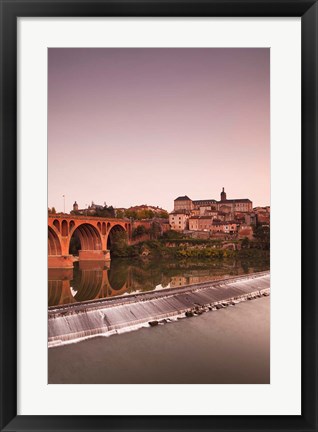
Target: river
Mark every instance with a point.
(92, 280)
(228, 346)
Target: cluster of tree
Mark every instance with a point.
(204, 253)
(141, 214)
(262, 235)
(119, 246)
(139, 231)
(51, 210)
(107, 212)
(159, 249)
(173, 235)
(154, 231)
(245, 244)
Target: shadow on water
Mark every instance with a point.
(94, 280)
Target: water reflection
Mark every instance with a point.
(92, 280)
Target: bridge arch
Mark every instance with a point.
(114, 230)
(117, 279)
(64, 228)
(89, 238)
(88, 285)
(54, 292)
(85, 236)
(54, 245)
(56, 223)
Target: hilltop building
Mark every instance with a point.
(93, 209)
(225, 205)
(179, 220)
(183, 203)
(211, 215)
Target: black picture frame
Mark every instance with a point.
(10, 11)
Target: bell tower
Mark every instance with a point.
(75, 206)
(223, 195)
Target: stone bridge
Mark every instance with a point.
(94, 235)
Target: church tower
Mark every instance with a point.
(223, 195)
(75, 206)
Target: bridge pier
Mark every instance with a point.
(67, 261)
(94, 255)
(60, 261)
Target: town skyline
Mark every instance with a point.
(144, 126)
(69, 203)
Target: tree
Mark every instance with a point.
(131, 214)
(245, 243)
(262, 234)
(119, 244)
(163, 214)
(139, 231)
(105, 212)
(155, 230)
(120, 214)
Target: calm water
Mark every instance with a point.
(226, 346)
(92, 280)
(230, 345)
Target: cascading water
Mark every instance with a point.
(75, 322)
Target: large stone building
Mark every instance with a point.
(200, 223)
(243, 205)
(198, 215)
(183, 203)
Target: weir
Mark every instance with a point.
(72, 323)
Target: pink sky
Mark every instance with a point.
(143, 126)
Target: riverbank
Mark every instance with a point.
(228, 346)
(190, 248)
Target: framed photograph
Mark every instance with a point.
(158, 215)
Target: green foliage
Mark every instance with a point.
(141, 214)
(106, 211)
(131, 214)
(119, 245)
(183, 250)
(155, 230)
(172, 235)
(139, 231)
(262, 236)
(245, 243)
(204, 253)
(163, 214)
(120, 214)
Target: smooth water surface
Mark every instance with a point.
(228, 346)
(94, 280)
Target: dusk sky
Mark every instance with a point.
(137, 126)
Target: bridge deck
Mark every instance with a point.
(108, 316)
